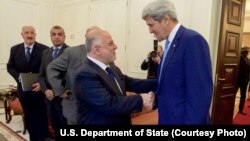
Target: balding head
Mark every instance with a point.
(24, 28)
(101, 46)
(92, 28)
(94, 37)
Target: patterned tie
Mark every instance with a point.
(164, 57)
(55, 52)
(27, 53)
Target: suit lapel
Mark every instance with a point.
(62, 49)
(22, 54)
(171, 51)
(50, 54)
(59, 53)
(119, 79)
(34, 50)
(105, 77)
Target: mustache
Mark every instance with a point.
(30, 38)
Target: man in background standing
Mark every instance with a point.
(185, 84)
(54, 104)
(152, 62)
(64, 67)
(26, 58)
(244, 71)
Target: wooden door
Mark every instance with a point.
(230, 38)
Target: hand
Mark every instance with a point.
(157, 59)
(49, 94)
(148, 100)
(36, 87)
(66, 94)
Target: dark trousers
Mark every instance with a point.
(243, 90)
(35, 115)
(55, 113)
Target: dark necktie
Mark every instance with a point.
(55, 52)
(27, 53)
(110, 72)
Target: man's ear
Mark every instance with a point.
(166, 19)
(96, 49)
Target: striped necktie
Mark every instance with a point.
(27, 53)
(55, 52)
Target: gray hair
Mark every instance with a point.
(91, 29)
(57, 27)
(92, 38)
(159, 9)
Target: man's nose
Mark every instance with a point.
(115, 46)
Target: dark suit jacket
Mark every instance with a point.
(18, 63)
(32, 102)
(244, 70)
(186, 86)
(46, 59)
(152, 68)
(99, 100)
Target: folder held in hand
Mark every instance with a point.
(27, 79)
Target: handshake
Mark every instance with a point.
(148, 100)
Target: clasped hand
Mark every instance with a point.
(148, 100)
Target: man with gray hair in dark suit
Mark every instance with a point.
(26, 58)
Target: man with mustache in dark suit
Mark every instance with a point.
(26, 58)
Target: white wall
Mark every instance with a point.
(13, 15)
(247, 17)
(122, 18)
(110, 15)
(247, 25)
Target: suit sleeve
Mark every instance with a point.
(136, 85)
(92, 90)
(199, 82)
(11, 65)
(55, 70)
(144, 65)
(140, 85)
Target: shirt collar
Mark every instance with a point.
(59, 47)
(99, 63)
(31, 46)
(173, 32)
